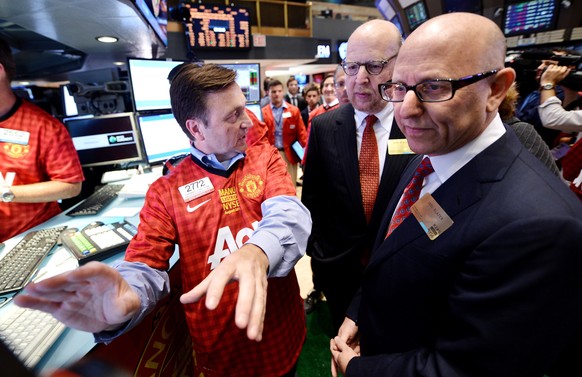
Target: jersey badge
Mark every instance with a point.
(252, 186)
(16, 150)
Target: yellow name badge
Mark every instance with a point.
(431, 216)
(398, 146)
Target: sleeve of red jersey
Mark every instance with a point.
(60, 156)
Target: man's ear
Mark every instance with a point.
(195, 128)
(499, 87)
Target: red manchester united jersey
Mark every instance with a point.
(211, 214)
(42, 150)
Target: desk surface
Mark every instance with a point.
(74, 344)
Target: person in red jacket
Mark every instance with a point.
(284, 127)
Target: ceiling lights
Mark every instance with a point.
(107, 39)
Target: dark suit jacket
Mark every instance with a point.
(301, 102)
(497, 294)
(331, 188)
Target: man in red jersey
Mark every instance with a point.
(38, 162)
(233, 211)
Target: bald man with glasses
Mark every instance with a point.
(476, 268)
(355, 156)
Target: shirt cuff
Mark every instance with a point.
(549, 101)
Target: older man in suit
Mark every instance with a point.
(480, 279)
(352, 166)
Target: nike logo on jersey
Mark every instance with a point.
(192, 209)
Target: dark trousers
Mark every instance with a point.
(339, 282)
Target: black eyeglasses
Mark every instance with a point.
(437, 90)
(374, 67)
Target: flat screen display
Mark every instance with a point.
(215, 26)
(162, 137)
(416, 14)
(248, 78)
(149, 83)
(105, 140)
(526, 17)
(256, 109)
(155, 13)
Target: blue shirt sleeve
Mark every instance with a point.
(282, 233)
(150, 284)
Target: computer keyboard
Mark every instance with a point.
(96, 201)
(21, 262)
(29, 333)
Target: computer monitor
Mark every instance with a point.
(162, 137)
(524, 17)
(248, 78)
(105, 140)
(416, 14)
(256, 109)
(155, 13)
(149, 83)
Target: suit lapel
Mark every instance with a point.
(345, 140)
(393, 167)
(458, 193)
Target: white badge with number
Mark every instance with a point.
(287, 115)
(14, 136)
(196, 189)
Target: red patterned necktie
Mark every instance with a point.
(369, 167)
(411, 193)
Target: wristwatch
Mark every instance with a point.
(547, 86)
(6, 194)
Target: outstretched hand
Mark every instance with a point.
(92, 298)
(249, 266)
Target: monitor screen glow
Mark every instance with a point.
(248, 78)
(149, 83)
(162, 137)
(105, 140)
(532, 16)
(416, 14)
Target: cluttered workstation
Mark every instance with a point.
(121, 155)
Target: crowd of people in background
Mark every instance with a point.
(440, 222)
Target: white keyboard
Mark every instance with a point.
(118, 175)
(29, 333)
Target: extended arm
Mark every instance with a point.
(48, 191)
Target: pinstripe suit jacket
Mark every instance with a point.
(331, 188)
